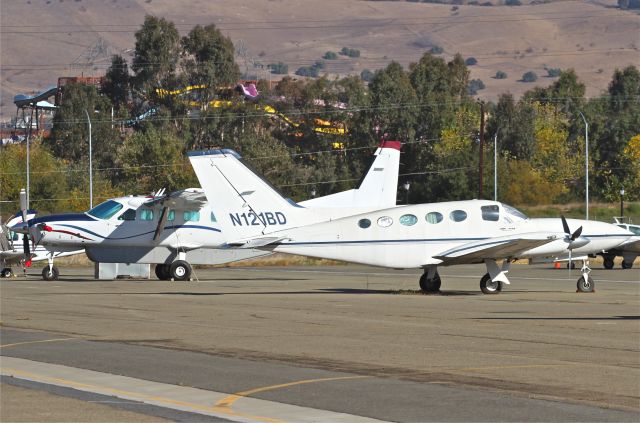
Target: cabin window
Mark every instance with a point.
(364, 223)
(130, 214)
(408, 220)
(105, 210)
(213, 217)
(490, 213)
(191, 216)
(146, 214)
(385, 221)
(458, 215)
(171, 216)
(434, 217)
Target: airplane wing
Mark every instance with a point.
(180, 200)
(494, 248)
(256, 242)
(632, 245)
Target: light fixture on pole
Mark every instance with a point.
(313, 192)
(621, 203)
(90, 163)
(586, 165)
(406, 187)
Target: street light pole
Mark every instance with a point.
(621, 204)
(586, 164)
(495, 167)
(90, 163)
(406, 186)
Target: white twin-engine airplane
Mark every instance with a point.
(414, 236)
(180, 228)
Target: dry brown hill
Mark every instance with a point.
(44, 39)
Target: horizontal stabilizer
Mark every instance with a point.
(494, 248)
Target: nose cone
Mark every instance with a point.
(603, 236)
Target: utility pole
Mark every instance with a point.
(481, 161)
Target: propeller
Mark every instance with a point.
(26, 247)
(573, 239)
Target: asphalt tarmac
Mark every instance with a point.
(341, 343)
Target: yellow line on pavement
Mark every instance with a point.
(227, 402)
(134, 395)
(15, 344)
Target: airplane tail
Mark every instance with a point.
(377, 188)
(245, 204)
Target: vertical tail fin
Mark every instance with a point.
(245, 204)
(377, 188)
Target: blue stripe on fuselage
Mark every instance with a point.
(144, 233)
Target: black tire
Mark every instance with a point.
(180, 270)
(626, 264)
(6, 272)
(50, 275)
(573, 265)
(430, 285)
(162, 271)
(487, 286)
(608, 262)
(587, 285)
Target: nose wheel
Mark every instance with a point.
(585, 282)
(50, 273)
(488, 286)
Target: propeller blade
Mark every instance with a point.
(161, 222)
(576, 234)
(565, 225)
(570, 263)
(26, 247)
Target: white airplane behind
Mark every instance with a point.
(181, 228)
(414, 236)
(12, 246)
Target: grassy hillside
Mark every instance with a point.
(44, 39)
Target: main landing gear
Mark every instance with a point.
(6, 273)
(490, 283)
(179, 270)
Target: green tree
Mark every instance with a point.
(156, 53)
(69, 138)
(514, 123)
(116, 81)
(209, 61)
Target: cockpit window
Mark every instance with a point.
(105, 210)
(514, 212)
(128, 215)
(490, 213)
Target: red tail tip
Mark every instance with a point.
(396, 145)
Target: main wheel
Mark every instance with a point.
(627, 264)
(162, 271)
(6, 272)
(586, 285)
(430, 285)
(50, 274)
(487, 286)
(573, 265)
(180, 270)
(608, 262)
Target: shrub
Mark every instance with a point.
(513, 3)
(436, 50)
(312, 71)
(470, 61)
(279, 68)
(350, 52)
(553, 72)
(529, 77)
(330, 56)
(501, 75)
(366, 75)
(474, 86)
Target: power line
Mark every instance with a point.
(319, 24)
